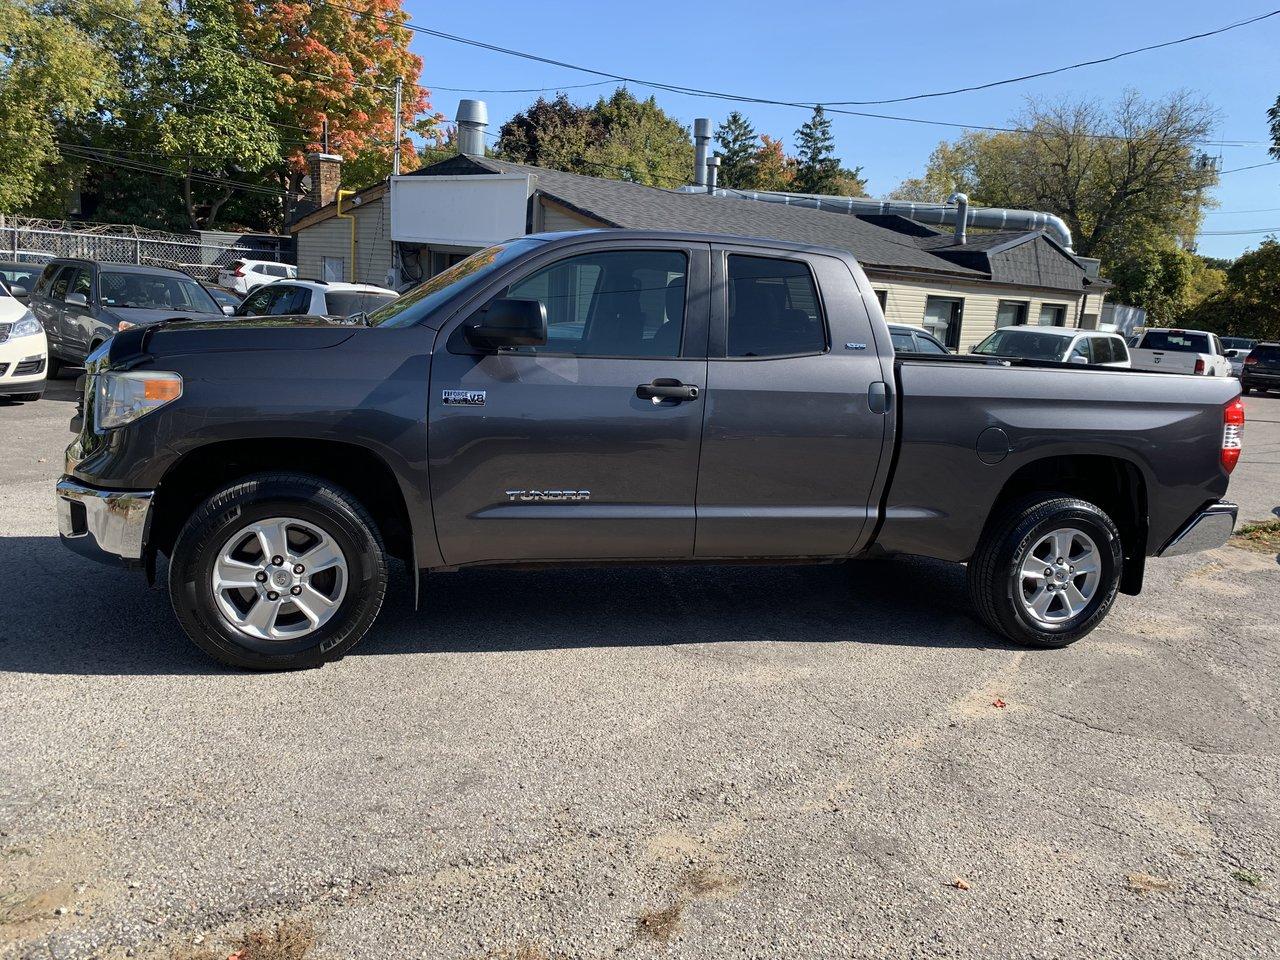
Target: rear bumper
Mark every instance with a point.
(1207, 529)
(1251, 378)
(104, 525)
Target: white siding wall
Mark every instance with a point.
(906, 303)
(332, 238)
(554, 218)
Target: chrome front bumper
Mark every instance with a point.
(1209, 528)
(103, 523)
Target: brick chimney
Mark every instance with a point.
(326, 178)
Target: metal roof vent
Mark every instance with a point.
(473, 121)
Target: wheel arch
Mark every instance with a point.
(1115, 484)
(357, 469)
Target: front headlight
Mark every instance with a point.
(125, 396)
(27, 326)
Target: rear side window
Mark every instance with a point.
(287, 300)
(59, 288)
(344, 304)
(928, 345)
(1175, 341)
(773, 309)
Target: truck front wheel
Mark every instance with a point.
(1046, 571)
(277, 572)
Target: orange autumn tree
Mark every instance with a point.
(338, 61)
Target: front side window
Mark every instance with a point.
(626, 303)
(81, 284)
(59, 288)
(903, 343)
(773, 309)
(256, 304)
(942, 318)
(928, 345)
(1082, 351)
(287, 300)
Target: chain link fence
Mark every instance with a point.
(38, 241)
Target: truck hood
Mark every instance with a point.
(143, 316)
(228, 335)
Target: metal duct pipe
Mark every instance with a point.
(473, 120)
(993, 218)
(961, 200)
(701, 149)
(713, 169)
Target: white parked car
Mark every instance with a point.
(24, 351)
(1056, 345)
(1181, 351)
(243, 276)
(316, 297)
(1236, 349)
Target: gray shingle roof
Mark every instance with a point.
(622, 204)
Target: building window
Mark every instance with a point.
(1011, 313)
(942, 318)
(1053, 315)
(333, 269)
(883, 297)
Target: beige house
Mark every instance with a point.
(413, 226)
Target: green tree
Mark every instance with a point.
(1158, 279)
(1247, 304)
(552, 133)
(620, 138)
(817, 167)
(51, 73)
(639, 142)
(1273, 117)
(739, 147)
(1126, 177)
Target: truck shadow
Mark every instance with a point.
(96, 620)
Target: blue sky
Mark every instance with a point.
(862, 51)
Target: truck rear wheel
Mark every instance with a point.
(1046, 571)
(278, 572)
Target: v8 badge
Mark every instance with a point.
(463, 398)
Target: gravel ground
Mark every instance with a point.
(674, 762)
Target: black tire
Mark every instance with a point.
(333, 511)
(994, 570)
(53, 369)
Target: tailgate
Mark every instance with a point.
(1175, 361)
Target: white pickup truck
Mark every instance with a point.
(1180, 351)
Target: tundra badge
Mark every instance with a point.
(554, 496)
(464, 398)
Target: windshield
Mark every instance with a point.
(1237, 343)
(152, 291)
(1178, 341)
(346, 303)
(16, 276)
(419, 302)
(1027, 344)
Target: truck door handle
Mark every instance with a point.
(879, 397)
(666, 389)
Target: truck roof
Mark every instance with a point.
(570, 236)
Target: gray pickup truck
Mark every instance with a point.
(616, 396)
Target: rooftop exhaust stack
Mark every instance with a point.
(713, 168)
(701, 149)
(961, 200)
(473, 120)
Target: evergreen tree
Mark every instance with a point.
(817, 167)
(738, 146)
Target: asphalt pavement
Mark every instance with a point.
(667, 762)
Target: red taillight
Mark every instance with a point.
(1199, 366)
(1250, 359)
(239, 272)
(1232, 433)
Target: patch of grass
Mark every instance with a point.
(659, 925)
(1247, 877)
(1263, 537)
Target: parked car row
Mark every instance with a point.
(24, 353)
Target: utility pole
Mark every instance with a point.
(395, 157)
(324, 127)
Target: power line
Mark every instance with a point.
(1253, 166)
(1072, 66)
(1236, 233)
(1255, 210)
(714, 94)
(96, 155)
(572, 86)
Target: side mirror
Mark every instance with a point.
(18, 290)
(76, 300)
(228, 310)
(973, 348)
(509, 323)
(1079, 359)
